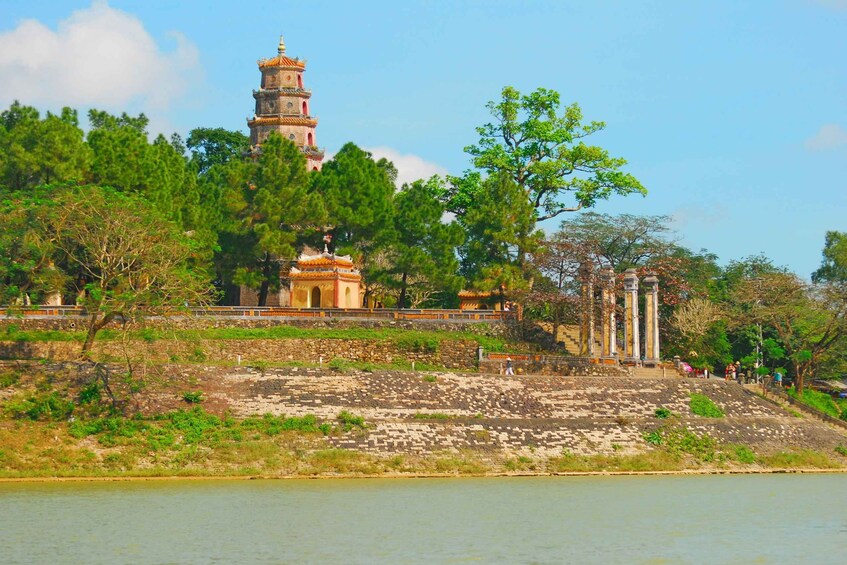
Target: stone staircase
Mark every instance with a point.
(568, 336)
(653, 372)
(536, 416)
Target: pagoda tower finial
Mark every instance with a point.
(281, 48)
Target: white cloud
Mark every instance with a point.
(409, 167)
(835, 4)
(98, 56)
(830, 136)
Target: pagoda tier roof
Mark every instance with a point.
(325, 259)
(324, 275)
(282, 121)
(283, 62)
(290, 90)
(475, 294)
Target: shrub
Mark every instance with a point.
(90, 394)
(40, 406)
(9, 378)
(430, 378)
(662, 413)
(349, 420)
(193, 397)
(744, 454)
(702, 405)
(841, 450)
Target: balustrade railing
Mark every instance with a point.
(283, 312)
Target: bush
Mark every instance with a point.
(40, 406)
(90, 394)
(744, 454)
(663, 413)
(193, 397)
(349, 421)
(9, 378)
(702, 405)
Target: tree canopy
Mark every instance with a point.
(543, 151)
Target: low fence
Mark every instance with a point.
(289, 313)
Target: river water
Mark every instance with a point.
(667, 519)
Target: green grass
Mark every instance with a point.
(8, 378)
(818, 400)
(702, 405)
(432, 416)
(408, 340)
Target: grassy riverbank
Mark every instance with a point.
(194, 443)
(192, 420)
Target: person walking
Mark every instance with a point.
(509, 369)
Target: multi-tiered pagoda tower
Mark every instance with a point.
(282, 105)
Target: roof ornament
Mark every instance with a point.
(281, 48)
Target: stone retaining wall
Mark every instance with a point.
(451, 354)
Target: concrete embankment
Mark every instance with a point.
(543, 415)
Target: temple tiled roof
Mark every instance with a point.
(475, 294)
(312, 275)
(283, 62)
(324, 259)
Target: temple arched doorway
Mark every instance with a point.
(315, 301)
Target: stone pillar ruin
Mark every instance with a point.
(632, 344)
(586, 326)
(609, 325)
(651, 320)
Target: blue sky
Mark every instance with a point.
(733, 114)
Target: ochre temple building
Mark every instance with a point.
(323, 280)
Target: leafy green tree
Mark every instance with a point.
(35, 151)
(545, 155)
(215, 146)
(499, 228)
(422, 253)
(808, 322)
(119, 146)
(358, 192)
(619, 242)
(27, 272)
(268, 203)
(130, 260)
(834, 264)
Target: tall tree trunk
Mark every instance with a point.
(89, 337)
(402, 300)
(799, 377)
(94, 326)
(266, 282)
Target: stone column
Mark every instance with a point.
(610, 334)
(632, 344)
(586, 326)
(651, 320)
